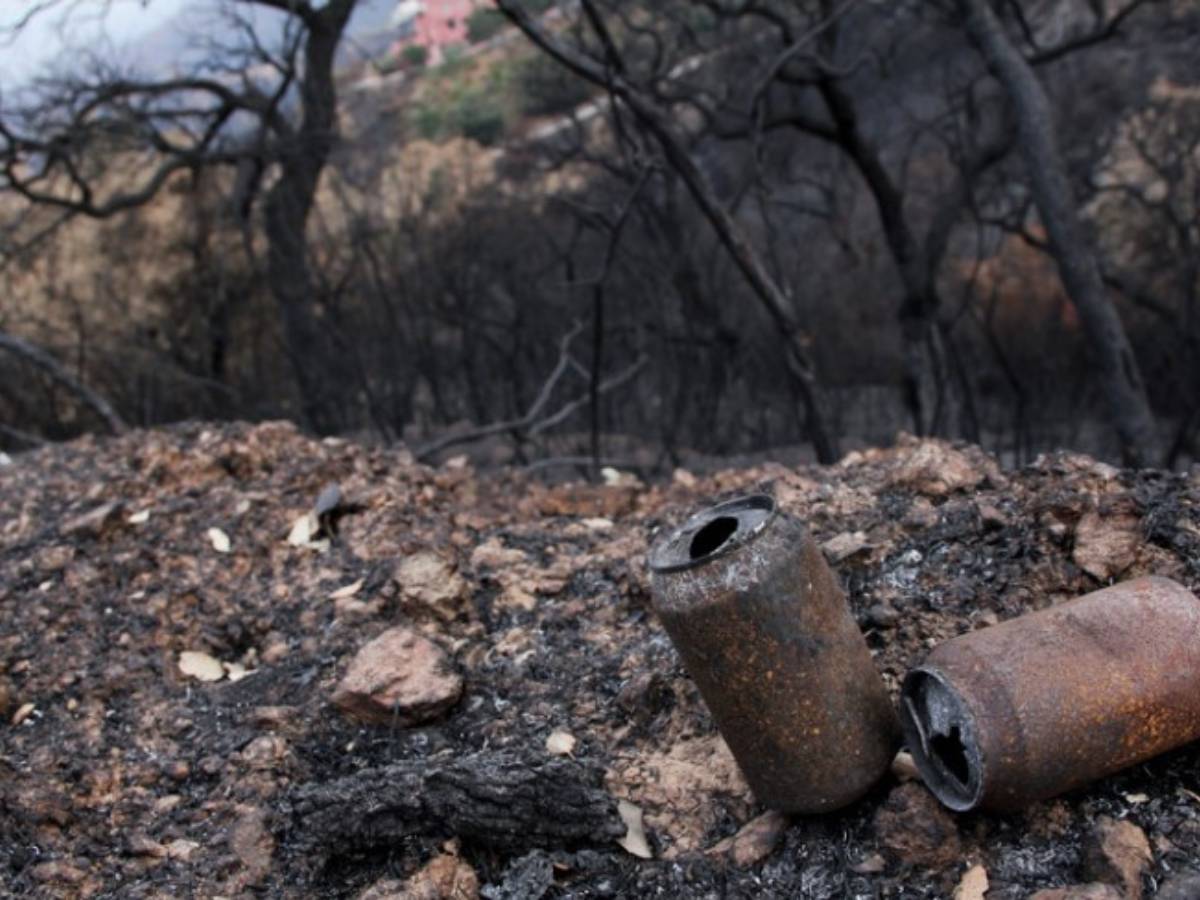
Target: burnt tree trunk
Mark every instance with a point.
(749, 261)
(288, 203)
(657, 124)
(1116, 367)
(921, 303)
(925, 338)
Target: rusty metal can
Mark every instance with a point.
(1051, 700)
(765, 631)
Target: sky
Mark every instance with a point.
(74, 26)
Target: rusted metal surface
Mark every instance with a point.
(765, 631)
(1049, 701)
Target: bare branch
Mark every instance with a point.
(58, 373)
(1105, 32)
(533, 422)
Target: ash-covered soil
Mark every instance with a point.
(122, 776)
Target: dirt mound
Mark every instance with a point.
(124, 776)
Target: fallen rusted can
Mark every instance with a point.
(1049, 701)
(765, 631)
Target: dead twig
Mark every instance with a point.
(534, 422)
(23, 437)
(58, 373)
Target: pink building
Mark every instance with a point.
(433, 24)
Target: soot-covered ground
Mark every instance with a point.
(175, 620)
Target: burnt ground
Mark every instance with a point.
(128, 778)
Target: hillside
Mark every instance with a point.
(541, 688)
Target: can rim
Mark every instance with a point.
(932, 710)
(712, 533)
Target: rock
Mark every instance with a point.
(974, 884)
(514, 596)
(936, 469)
(59, 870)
(844, 545)
(1106, 544)
(1180, 886)
(200, 666)
(182, 850)
(276, 718)
(882, 615)
(350, 610)
(140, 845)
(400, 678)
(987, 618)
(92, 523)
(43, 806)
(560, 743)
(6, 697)
(872, 864)
(754, 841)
(585, 501)
(492, 554)
(917, 830)
(24, 711)
(54, 558)
(1093, 891)
(1117, 854)
(266, 752)
(445, 877)
(904, 768)
(684, 478)
(430, 581)
(251, 841)
(922, 514)
(275, 651)
(992, 516)
(166, 804)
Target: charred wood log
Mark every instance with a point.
(496, 799)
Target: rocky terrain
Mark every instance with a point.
(236, 661)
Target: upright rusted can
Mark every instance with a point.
(1049, 701)
(765, 631)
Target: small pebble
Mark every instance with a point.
(881, 615)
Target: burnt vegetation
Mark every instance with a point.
(605, 231)
(666, 253)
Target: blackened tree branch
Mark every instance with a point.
(40, 359)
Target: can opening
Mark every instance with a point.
(949, 751)
(712, 533)
(941, 734)
(710, 538)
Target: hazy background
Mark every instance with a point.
(789, 231)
